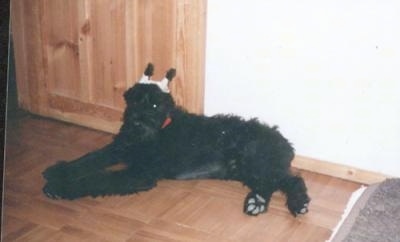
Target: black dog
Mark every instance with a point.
(159, 140)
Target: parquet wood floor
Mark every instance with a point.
(205, 210)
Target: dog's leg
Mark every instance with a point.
(262, 186)
(257, 202)
(83, 166)
(296, 194)
(102, 183)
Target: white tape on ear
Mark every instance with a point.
(144, 79)
(163, 84)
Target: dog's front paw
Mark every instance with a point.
(298, 205)
(61, 190)
(254, 204)
(50, 192)
(55, 171)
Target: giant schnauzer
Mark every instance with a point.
(159, 140)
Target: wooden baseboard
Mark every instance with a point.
(338, 170)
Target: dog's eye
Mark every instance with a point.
(154, 105)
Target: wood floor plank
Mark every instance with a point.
(196, 210)
(14, 228)
(38, 234)
(72, 233)
(162, 230)
(40, 212)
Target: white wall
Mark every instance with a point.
(326, 72)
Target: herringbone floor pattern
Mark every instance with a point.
(204, 210)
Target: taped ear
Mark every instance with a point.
(149, 70)
(163, 84)
(171, 73)
(166, 80)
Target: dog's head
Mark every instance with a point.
(148, 102)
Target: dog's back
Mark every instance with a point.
(221, 144)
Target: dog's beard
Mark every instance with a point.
(148, 130)
(146, 124)
(149, 119)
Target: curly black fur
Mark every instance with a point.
(189, 147)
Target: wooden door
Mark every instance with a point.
(75, 58)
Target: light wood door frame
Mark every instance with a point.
(74, 59)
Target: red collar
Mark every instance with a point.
(167, 121)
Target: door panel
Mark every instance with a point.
(74, 59)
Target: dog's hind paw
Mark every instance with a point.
(254, 204)
(298, 206)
